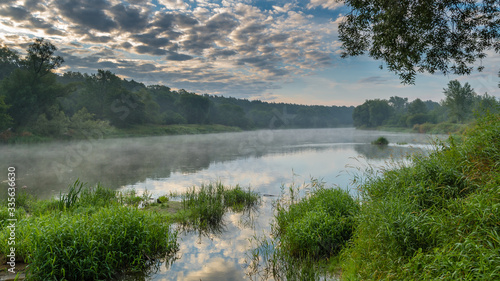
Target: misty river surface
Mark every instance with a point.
(263, 160)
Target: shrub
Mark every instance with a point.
(319, 225)
(91, 247)
(436, 219)
(380, 141)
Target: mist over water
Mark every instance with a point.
(247, 158)
(263, 160)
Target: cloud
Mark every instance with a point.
(178, 57)
(217, 269)
(374, 80)
(228, 47)
(88, 13)
(15, 13)
(174, 4)
(129, 18)
(326, 4)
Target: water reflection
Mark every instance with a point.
(47, 169)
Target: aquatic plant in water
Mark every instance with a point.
(305, 230)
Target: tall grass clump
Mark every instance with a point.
(204, 207)
(96, 247)
(435, 219)
(88, 234)
(305, 231)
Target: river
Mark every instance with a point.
(263, 160)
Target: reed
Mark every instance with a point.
(88, 234)
(204, 207)
(307, 231)
(436, 219)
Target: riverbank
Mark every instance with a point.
(427, 128)
(93, 233)
(435, 219)
(26, 137)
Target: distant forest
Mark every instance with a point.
(460, 105)
(33, 99)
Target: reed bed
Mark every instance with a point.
(436, 219)
(204, 207)
(88, 234)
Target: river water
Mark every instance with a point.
(263, 160)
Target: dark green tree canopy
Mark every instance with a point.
(445, 36)
(41, 59)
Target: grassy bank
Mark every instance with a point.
(26, 137)
(162, 130)
(93, 233)
(429, 128)
(435, 219)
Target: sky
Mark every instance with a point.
(272, 50)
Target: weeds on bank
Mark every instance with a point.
(307, 233)
(436, 219)
(94, 233)
(88, 234)
(204, 208)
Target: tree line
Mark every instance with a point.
(34, 99)
(460, 105)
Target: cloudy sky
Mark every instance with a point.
(273, 50)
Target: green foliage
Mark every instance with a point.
(163, 199)
(372, 113)
(381, 141)
(68, 200)
(459, 100)
(5, 118)
(32, 89)
(194, 107)
(82, 247)
(52, 123)
(68, 106)
(9, 60)
(307, 234)
(83, 124)
(423, 36)
(86, 235)
(434, 219)
(316, 226)
(204, 207)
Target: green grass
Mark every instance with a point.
(94, 233)
(160, 130)
(436, 219)
(203, 208)
(89, 233)
(440, 128)
(307, 233)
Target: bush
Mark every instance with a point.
(317, 226)
(436, 219)
(380, 141)
(91, 247)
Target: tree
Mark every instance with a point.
(399, 104)
(41, 59)
(425, 36)
(5, 119)
(194, 107)
(9, 60)
(372, 113)
(32, 89)
(417, 107)
(459, 100)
